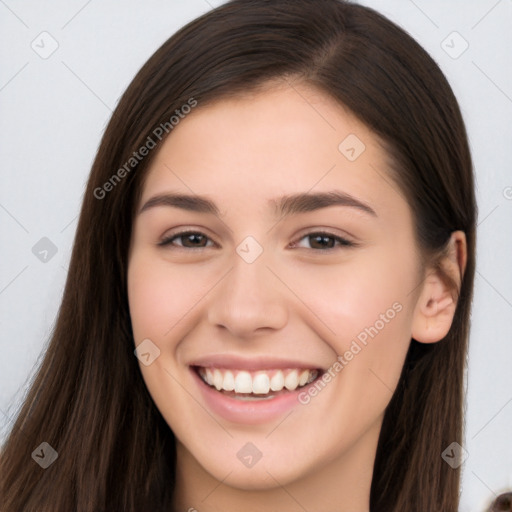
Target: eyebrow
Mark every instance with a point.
(308, 202)
(284, 206)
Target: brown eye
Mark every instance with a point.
(323, 241)
(187, 239)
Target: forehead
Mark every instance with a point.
(282, 140)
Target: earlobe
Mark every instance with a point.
(437, 302)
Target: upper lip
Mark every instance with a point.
(252, 364)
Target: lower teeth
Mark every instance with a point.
(246, 396)
(255, 397)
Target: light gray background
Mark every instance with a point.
(54, 111)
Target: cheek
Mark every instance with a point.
(163, 305)
(353, 295)
(367, 304)
(161, 296)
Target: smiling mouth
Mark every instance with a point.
(256, 385)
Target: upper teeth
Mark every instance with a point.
(260, 382)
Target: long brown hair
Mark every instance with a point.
(88, 400)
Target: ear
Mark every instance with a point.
(437, 301)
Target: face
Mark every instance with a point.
(273, 258)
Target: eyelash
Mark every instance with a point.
(342, 242)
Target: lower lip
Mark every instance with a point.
(249, 412)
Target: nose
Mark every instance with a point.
(249, 300)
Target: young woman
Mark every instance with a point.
(268, 300)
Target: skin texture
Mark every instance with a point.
(294, 301)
